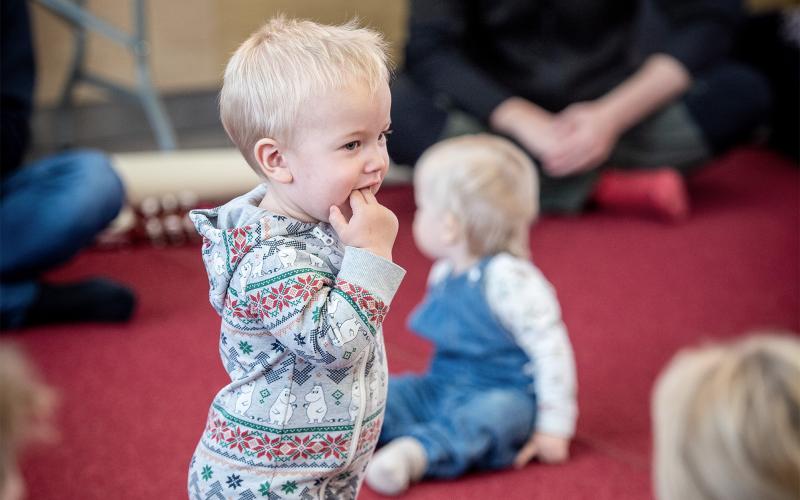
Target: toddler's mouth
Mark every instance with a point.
(373, 188)
(376, 186)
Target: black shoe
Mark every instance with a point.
(93, 300)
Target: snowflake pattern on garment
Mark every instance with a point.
(296, 334)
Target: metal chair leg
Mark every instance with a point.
(144, 92)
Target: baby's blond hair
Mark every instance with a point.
(489, 185)
(26, 406)
(284, 64)
(727, 422)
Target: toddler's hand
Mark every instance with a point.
(372, 227)
(548, 449)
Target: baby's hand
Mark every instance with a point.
(548, 449)
(372, 227)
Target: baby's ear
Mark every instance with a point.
(271, 161)
(452, 229)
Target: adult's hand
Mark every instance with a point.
(586, 132)
(527, 123)
(584, 139)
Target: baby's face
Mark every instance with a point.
(429, 227)
(339, 147)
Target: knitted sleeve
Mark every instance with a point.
(525, 303)
(325, 319)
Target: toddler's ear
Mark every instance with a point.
(271, 161)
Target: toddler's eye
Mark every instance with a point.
(385, 135)
(351, 146)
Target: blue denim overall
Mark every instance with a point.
(475, 406)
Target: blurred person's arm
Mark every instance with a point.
(438, 32)
(700, 34)
(528, 124)
(435, 57)
(587, 132)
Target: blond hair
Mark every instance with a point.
(489, 185)
(285, 63)
(26, 405)
(727, 422)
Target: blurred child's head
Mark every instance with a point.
(308, 106)
(727, 422)
(25, 408)
(480, 190)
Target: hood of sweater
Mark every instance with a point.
(232, 230)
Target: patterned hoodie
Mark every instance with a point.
(302, 342)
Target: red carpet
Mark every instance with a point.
(632, 291)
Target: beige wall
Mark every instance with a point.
(190, 39)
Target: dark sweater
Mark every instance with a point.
(17, 72)
(552, 52)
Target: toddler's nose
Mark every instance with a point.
(378, 162)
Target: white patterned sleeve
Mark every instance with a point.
(525, 303)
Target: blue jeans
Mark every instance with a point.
(49, 210)
(459, 428)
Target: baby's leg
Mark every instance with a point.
(480, 430)
(483, 430)
(396, 466)
(411, 400)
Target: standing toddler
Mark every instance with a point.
(300, 268)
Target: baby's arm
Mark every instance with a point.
(525, 303)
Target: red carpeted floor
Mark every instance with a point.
(632, 292)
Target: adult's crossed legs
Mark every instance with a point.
(725, 104)
(50, 210)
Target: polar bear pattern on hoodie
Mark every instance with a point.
(301, 326)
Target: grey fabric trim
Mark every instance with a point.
(367, 270)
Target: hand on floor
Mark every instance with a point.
(548, 449)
